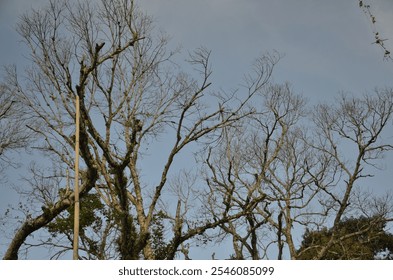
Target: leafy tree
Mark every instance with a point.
(363, 238)
(92, 219)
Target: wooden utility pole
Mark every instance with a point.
(76, 182)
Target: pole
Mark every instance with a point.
(76, 182)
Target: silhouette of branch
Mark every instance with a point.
(378, 39)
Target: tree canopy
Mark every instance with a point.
(363, 238)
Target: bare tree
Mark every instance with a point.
(358, 125)
(259, 169)
(293, 173)
(131, 97)
(14, 134)
(272, 166)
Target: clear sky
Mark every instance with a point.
(327, 45)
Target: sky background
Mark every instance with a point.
(326, 46)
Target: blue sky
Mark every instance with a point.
(327, 45)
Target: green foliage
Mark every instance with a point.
(356, 238)
(157, 236)
(130, 244)
(90, 211)
(94, 216)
